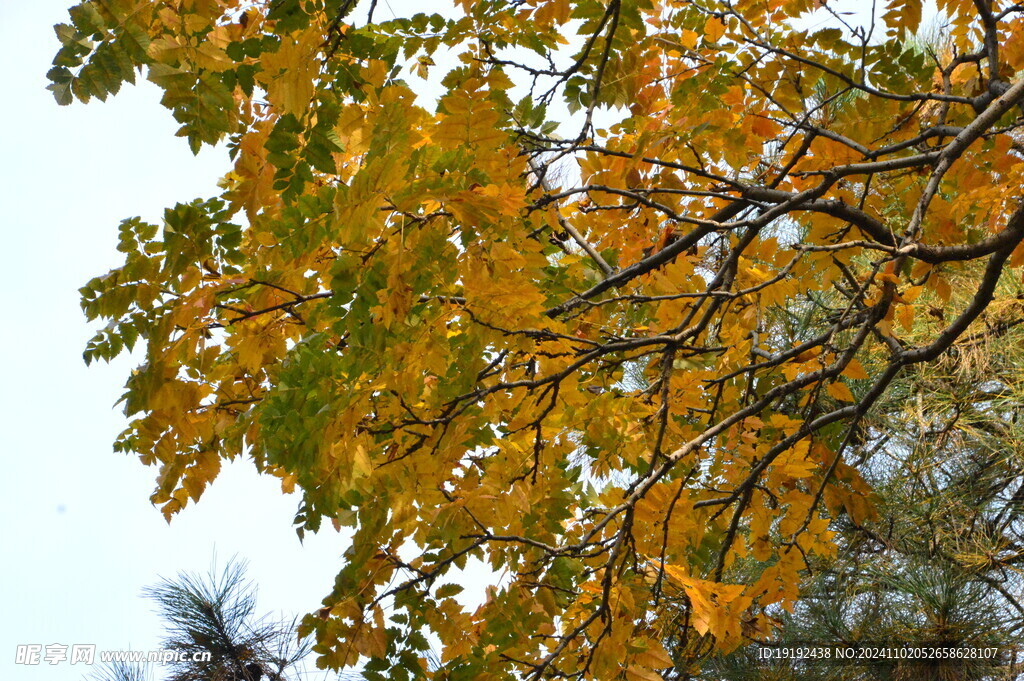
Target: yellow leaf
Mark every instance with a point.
(855, 370)
(714, 29)
(213, 58)
(655, 657)
(289, 74)
(905, 314)
(840, 392)
(265, 238)
(912, 293)
(637, 673)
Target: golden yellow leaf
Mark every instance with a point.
(839, 391)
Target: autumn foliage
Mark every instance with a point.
(596, 292)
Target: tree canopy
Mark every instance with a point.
(601, 293)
